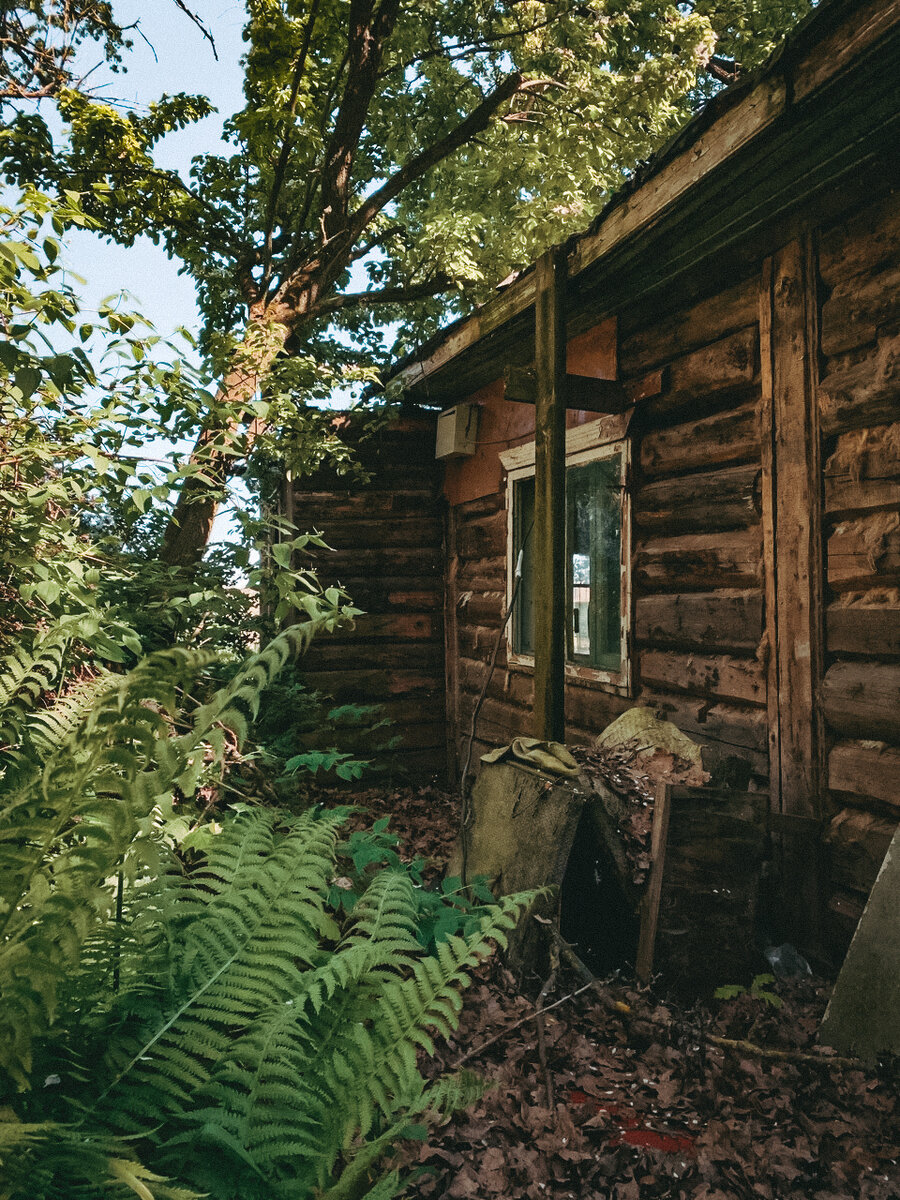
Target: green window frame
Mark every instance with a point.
(595, 585)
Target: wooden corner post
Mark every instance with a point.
(789, 342)
(549, 547)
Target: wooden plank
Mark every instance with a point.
(684, 330)
(874, 631)
(798, 572)
(722, 439)
(697, 922)
(699, 562)
(862, 699)
(483, 538)
(836, 52)
(858, 392)
(729, 730)
(549, 535)
(729, 619)
(334, 655)
(734, 129)
(584, 393)
(868, 770)
(766, 417)
(701, 503)
(386, 532)
(650, 908)
(798, 546)
(718, 675)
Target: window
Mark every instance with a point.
(596, 530)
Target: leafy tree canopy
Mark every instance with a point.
(440, 143)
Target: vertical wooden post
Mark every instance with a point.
(798, 572)
(549, 533)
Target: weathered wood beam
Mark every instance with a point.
(549, 534)
(581, 392)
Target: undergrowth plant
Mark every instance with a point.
(198, 1016)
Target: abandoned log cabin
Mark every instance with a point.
(687, 423)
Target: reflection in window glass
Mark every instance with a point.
(594, 551)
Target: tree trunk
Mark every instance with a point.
(190, 525)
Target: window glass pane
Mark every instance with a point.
(523, 518)
(593, 510)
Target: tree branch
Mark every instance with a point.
(391, 295)
(477, 120)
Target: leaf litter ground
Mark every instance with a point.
(636, 1109)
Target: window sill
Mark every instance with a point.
(614, 682)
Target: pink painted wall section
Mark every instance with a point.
(503, 424)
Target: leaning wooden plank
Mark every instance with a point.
(710, 500)
(866, 769)
(699, 919)
(862, 699)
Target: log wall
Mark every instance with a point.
(859, 405)
(387, 538)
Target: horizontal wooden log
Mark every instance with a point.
(722, 439)
(477, 641)
(870, 770)
(858, 308)
(722, 676)
(862, 699)
(687, 330)
(333, 655)
(582, 392)
(864, 471)
(729, 365)
(590, 709)
(512, 687)
(481, 506)
(858, 842)
(397, 562)
(393, 627)
(856, 394)
(481, 575)
(480, 608)
(313, 509)
(711, 500)
(381, 532)
(498, 722)
(862, 242)
(865, 552)
(396, 595)
(699, 561)
(728, 620)
(366, 686)
(482, 538)
(726, 730)
(857, 630)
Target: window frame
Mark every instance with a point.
(592, 442)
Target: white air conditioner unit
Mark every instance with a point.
(457, 429)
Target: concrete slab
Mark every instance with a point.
(863, 1015)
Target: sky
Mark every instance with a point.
(177, 59)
